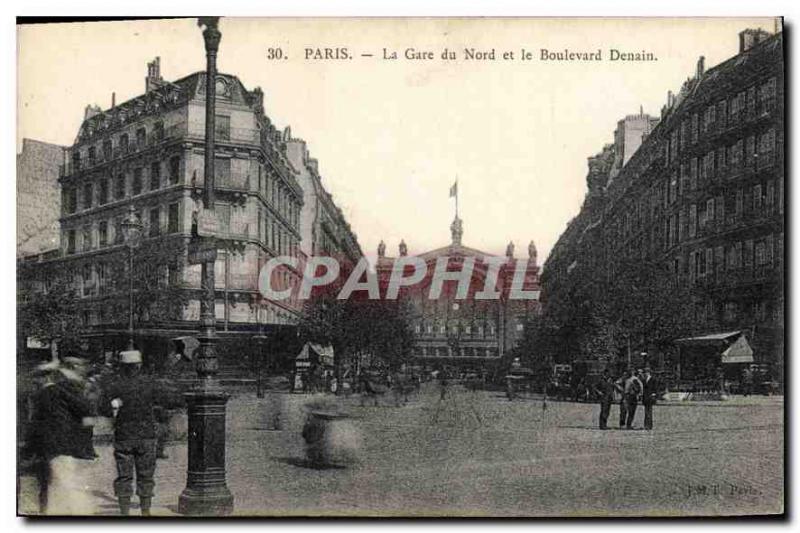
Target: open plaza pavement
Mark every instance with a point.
(477, 454)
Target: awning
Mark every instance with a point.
(738, 352)
(714, 338)
(324, 353)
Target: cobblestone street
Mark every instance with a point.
(479, 454)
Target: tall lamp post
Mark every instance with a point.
(132, 233)
(206, 491)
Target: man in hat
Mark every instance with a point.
(649, 396)
(605, 388)
(135, 395)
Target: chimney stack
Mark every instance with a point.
(153, 79)
(113, 100)
(750, 37)
(701, 67)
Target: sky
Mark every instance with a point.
(392, 136)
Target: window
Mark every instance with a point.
(748, 253)
(87, 281)
(102, 276)
(767, 96)
(692, 221)
(722, 114)
(737, 152)
(158, 130)
(769, 199)
(673, 188)
(141, 138)
(136, 186)
(757, 198)
(174, 170)
(103, 192)
(102, 233)
(87, 238)
(222, 171)
(123, 143)
(766, 149)
(92, 155)
(760, 253)
(118, 236)
(693, 174)
(751, 102)
(71, 241)
(87, 196)
(173, 273)
(107, 149)
(222, 127)
(695, 121)
(119, 187)
(710, 210)
(172, 218)
(71, 200)
(155, 222)
(730, 311)
(750, 151)
(722, 161)
(155, 175)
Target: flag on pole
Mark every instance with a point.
(454, 189)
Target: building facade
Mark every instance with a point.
(703, 195)
(147, 154)
(38, 197)
(323, 227)
(462, 330)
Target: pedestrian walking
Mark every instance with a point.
(135, 431)
(649, 396)
(633, 391)
(60, 445)
(605, 389)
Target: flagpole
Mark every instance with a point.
(456, 196)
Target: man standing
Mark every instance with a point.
(134, 431)
(620, 385)
(633, 390)
(606, 391)
(649, 396)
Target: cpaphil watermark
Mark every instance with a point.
(407, 272)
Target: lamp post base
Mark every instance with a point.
(217, 501)
(206, 492)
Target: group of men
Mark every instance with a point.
(633, 388)
(60, 439)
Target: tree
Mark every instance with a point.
(48, 307)
(52, 297)
(358, 325)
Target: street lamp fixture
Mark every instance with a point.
(206, 491)
(132, 229)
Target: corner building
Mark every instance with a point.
(148, 153)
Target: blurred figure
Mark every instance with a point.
(59, 441)
(633, 391)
